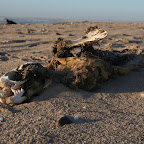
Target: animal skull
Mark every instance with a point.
(23, 82)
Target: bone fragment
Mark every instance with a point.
(92, 36)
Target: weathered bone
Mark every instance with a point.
(22, 66)
(93, 35)
(7, 78)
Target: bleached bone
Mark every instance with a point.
(21, 66)
(5, 78)
(93, 35)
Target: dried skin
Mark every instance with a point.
(82, 73)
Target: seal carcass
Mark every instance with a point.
(90, 66)
(82, 70)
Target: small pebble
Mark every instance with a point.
(76, 118)
(1, 119)
(63, 121)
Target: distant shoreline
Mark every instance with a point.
(58, 20)
(47, 20)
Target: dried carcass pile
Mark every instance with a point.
(90, 66)
(83, 70)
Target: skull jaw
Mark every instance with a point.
(11, 92)
(17, 98)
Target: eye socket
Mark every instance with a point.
(14, 75)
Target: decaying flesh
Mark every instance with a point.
(91, 36)
(90, 66)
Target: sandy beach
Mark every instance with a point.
(111, 113)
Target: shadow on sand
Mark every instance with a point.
(133, 82)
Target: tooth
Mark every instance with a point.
(22, 90)
(18, 98)
(17, 91)
(1, 100)
(17, 85)
(13, 91)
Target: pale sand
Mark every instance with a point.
(112, 113)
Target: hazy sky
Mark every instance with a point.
(117, 10)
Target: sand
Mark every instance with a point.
(112, 113)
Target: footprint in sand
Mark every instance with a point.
(3, 56)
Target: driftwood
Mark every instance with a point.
(83, 70)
